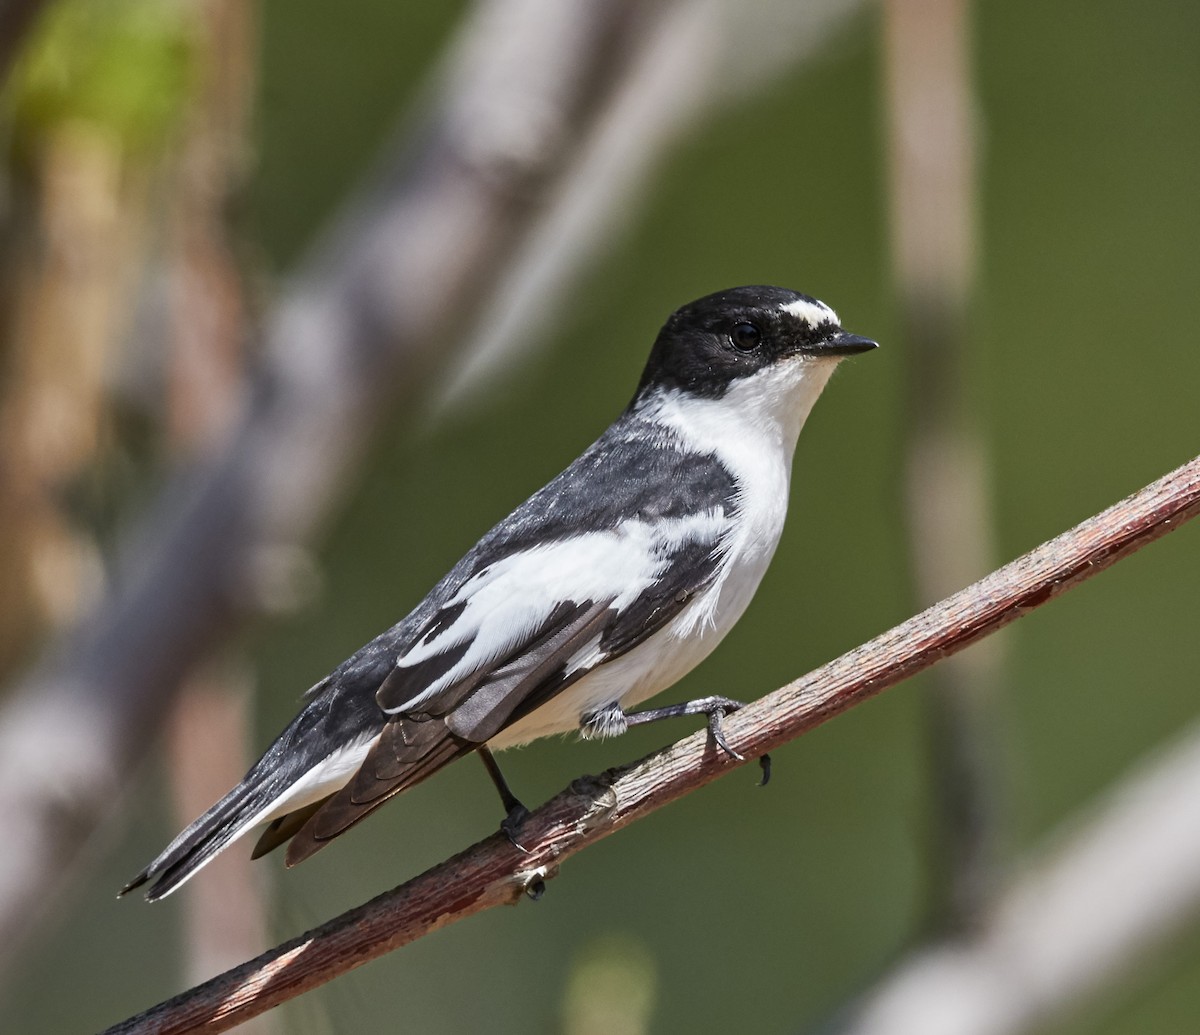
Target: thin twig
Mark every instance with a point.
(493, 871)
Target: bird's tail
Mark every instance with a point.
(307, 790)
(239, 811)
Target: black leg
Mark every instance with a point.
(512, 804)
(510, 801)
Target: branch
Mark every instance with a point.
(494, 872)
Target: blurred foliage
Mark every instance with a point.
(124, 66)
(757, 909)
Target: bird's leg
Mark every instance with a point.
(716, 708)
(617, 720)
(517, 812)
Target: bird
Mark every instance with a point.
(601, 590)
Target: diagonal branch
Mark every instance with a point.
(493, 871)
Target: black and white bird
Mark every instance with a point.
(601, 590)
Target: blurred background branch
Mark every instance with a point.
(1113, 890)
(209, 732)
(932, 196)
(17, 17)
(667, 90)
(403, 272)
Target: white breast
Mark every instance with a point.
(752, 430)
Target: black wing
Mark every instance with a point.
(414, 746)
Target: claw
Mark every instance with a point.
(717, 734)
(716, 708)
(511, 826)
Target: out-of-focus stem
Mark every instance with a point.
(208, 741)
(404, 270)
(932, 197)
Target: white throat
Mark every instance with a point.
(752, 430)
(764, 412)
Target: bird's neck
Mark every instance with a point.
(763, 412)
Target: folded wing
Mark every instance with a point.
(468, 713)
(503, 645)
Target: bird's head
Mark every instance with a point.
(772, 336)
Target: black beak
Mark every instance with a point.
(843, 344)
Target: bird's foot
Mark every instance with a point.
(715, 707)
(511, 825)
(516, 812)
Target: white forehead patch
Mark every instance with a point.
(812, 312)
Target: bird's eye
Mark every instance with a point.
(745, 337)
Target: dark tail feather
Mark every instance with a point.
(281, 830)
(202, 840)
(385, 772)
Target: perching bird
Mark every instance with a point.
(602, 589)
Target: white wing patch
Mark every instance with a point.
(507, 601)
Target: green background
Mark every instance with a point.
(761, 909)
